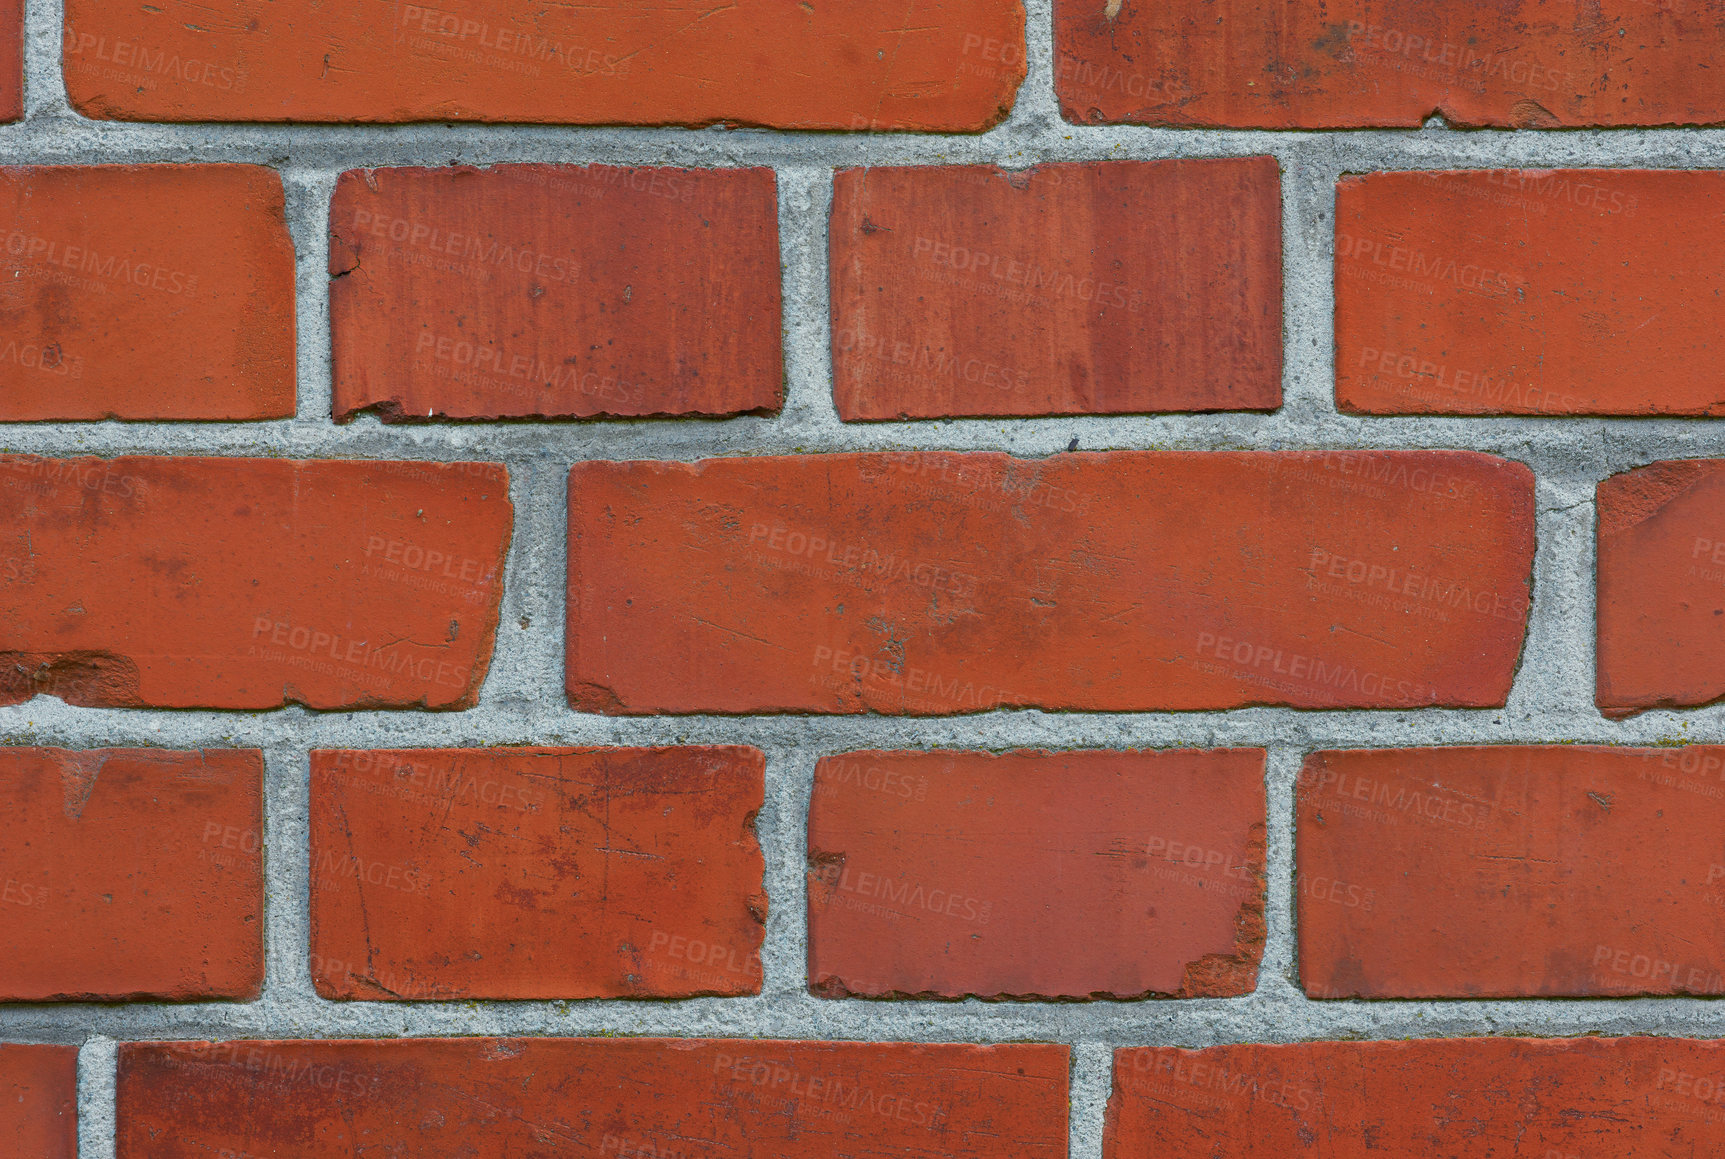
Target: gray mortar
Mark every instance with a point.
(523, 700)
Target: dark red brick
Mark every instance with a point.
(931, 65)
(933, 584)
(39, 1101)
(1357, 64)
(1507, 872)
(249, 583)
(555, 291)
(1661, 613)
(1528, 1097)
(131, 873)
(621, 1098)
(11, 60)
(1530, 291)
(1100, 288)
(145, 292)
(536, 873)
(1037, 874)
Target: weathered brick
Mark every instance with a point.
(1539, 1098)
(249, 583)
(1356, 64)
(1524, 291)
(1037, 874)
(11, 60)
(145, 292)
(934, 65)
(39, 1101)
(1098, 288)
(536, 873)
(933, 584)
(623, 1098)
(1506, 872)
(131, 873)
(555, 290)
(1661, 604)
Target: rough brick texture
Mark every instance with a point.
(1036, 874)
(1661, 615)
(145, 292)
(249, 583)
(1509, 291)
(497, 1098)
(1530, 1097)
(1243, 64)
(131, 873)
(536, 873)
(39, 1101)
(11, 60)
(554, 290)
(933, 584)
(970, 290)
(838, 66)
(1563, 871)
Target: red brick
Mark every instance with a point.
(1527, 292)
(131, 873)
(1661, 614)
(934, 584)
(934, 65)
(555, 291)
(39, 1101)
(11, 60)
(145, 292)
(621, 1097)
(1064, 289)
(1356, 64)
(249, 583)
(1529, 1097)
(536, 873)
(1505, 872)
(1037, 874)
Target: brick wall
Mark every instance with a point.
(1024, 601)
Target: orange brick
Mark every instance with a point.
(1037, 874)
(555, 291)
(145, 292)
(934, 584)
(1532, 1097)
(1064, 289)
(932, 65)
(617, 1098)
(1359, 63)
(249, 583)
(1661, 607)
(1528, 292)
(536, 873)
(131, 873)
(1509, 872)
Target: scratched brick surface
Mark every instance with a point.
(536, 873)
(39, 1100)
(496, 1098)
